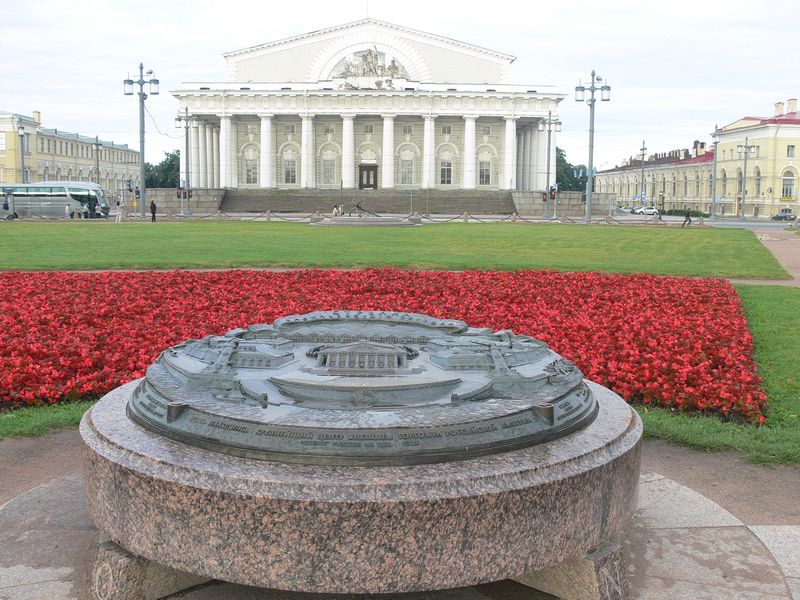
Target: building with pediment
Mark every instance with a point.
(369, 105)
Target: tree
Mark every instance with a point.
(166, 173)
(565, 173)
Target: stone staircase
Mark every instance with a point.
(377, 201)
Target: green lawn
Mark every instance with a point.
(196, 244)
(773, 312)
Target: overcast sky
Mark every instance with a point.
(675, 68)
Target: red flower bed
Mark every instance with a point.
(665, 341)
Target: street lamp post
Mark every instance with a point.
(550, 124)
(186, 120)
(715, 137)
(643, 193)
(97, 147)
(128, 86)
(21, 133)
(605, 96)
(746, 149)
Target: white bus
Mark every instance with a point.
(54, 200)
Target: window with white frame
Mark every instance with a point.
(290, 171)
(406, 172)
(788, 185)
(790, 151)
(446, 172)
(290, 129)
(330, 129)
(757, 181)
(408, 129)
(484, 172)
(447, 129)
(487, 130)
(328, 171)
(369, 128)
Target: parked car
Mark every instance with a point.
(645, 210)
(785, 214)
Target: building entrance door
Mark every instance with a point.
(368, 177)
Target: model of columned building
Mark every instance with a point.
(369, 104)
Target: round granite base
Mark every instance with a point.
(360, 529)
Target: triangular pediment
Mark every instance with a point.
(368, 48)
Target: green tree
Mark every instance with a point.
(565, 173)
(166, 173)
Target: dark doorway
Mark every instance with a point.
(368, 177)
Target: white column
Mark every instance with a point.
(509, 154)
(307, 152)
(348, 152)
(518, 166)
(536, 160)
(469, 153)
(526, 159)
(265, 173)
(209, 156)
(428, 151)
(202, 180)
(225, 152)
(541, 160)
(215, 157)
(182, 180)
(194, 156)
(387, 165)
(233, 153)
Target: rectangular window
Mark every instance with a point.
(41, 144)
(290, 129)
(447, 129)
(328, 170)
(251, 171)
(408, 129)
(487, 131)
(60, 147)
(446, 172)
(329, 129)
(484, 172)
(290, 171)
(406, 172)
(790, 151)
(2, 142)
(368, 128)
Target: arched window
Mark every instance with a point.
(757, 182)
(674, 186)
(685, 185)
(724, 182)
(788, 185)
(697, 184)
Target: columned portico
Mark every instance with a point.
(468, 162)
(266, 177)
(348, 152)
(388, 151)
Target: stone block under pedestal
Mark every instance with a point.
(600, 575)
(119, 575)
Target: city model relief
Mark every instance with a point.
(348, 387)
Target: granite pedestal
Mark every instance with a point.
(324, 528)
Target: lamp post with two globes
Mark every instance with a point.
(605, 96)
(129, 83)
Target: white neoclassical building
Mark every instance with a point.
(369, 104)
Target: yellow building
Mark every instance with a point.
(54, 155)
(756, 167)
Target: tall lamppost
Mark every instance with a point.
(746, 149)
(128, 83)
(605, 96)
(715, 137)
(186, 120)
(643, 193)
(21, 133)
(551, 125)
(97, 147)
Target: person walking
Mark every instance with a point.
(152, 211)
(687, 220)
(118, 219)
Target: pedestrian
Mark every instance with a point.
(118, 219)
(153, 211)
(66, 211)
(687, 220)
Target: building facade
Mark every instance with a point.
(368, 104)
(30, 153)
(756, 170)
